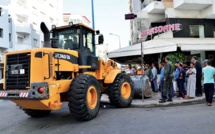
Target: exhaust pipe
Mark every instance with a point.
(46, 35)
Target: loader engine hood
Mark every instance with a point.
(37, 65)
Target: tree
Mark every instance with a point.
(179, 56)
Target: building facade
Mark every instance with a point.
(195, 18)
(20, 23)
(5, 41)
(75, 18)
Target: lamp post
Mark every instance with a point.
(118, 37)
(92, 7)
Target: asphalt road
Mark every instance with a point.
(189, 119)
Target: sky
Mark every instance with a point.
(109, 18)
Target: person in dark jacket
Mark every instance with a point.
(168, 76)
(181, 81)
(198, 76)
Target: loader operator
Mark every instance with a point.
(72, 43)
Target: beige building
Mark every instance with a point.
(75, 18)
(168, 26)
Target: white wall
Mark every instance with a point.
(4, 41)
(32, 13)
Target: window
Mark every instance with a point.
(0, 10)
(50, 4)
(1, 33)
(21, 2)
(214, 31)
(51, 20)
(34, 42)
(69, 39)
(42, 43)
(9, 19)
(9, 37)
(90, 42)
(34, 11)
(19, 40)
(197, 31)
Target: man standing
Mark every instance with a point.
(161, 82)
(154, 79)
(186, 68)
(168, 76)
(198, 76)
(148, 72)
(209, 73)
(177, 73)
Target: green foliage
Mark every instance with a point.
(176, 56)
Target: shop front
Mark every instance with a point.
(156, 49)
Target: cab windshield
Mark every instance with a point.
(69, 39)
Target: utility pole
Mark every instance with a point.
(132, 16)
(142, 56)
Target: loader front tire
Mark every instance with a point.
(84, 97)
(121, 91)
(36, 113)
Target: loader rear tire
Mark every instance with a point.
(84, 97)
(36, 113)
(121, 91)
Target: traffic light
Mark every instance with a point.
(130, 16)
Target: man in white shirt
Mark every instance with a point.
(209, 73)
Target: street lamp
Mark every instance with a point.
(118, 37)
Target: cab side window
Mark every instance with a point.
(88, 40)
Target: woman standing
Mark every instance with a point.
(191, 83)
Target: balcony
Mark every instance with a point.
(23, 29)
(155, 7)
(192, 4)
(22, 11)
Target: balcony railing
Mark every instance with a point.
(155, 7)
(23, 29)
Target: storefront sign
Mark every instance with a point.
(161, 29)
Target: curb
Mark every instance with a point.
(168, 104)
(155, 103)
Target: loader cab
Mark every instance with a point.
(78, 37)
(75, 37)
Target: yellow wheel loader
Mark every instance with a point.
(64, 70)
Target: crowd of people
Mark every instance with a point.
(188, 79)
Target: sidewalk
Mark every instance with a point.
(154, 101)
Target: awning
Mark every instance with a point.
(150, 47)
(133, 53)
(204, 44)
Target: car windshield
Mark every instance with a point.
(69, 39)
